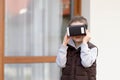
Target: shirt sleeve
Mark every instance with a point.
(61, 56)
(88, 56)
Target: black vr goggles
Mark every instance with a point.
(76, 30)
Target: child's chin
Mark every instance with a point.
(77, 40)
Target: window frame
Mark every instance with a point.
(23, 59)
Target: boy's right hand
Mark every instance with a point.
(66, 40)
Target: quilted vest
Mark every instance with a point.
(74, 69)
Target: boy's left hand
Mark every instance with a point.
(87, 37)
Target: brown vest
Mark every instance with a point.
(74, 69)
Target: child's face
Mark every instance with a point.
(78, 38)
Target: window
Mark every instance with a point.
(30, 34)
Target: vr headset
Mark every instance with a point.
(76, 30)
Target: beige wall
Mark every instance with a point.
(105, 30)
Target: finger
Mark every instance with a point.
(87, 31)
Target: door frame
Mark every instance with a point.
(2, 39)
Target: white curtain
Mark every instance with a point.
(35, 32)
(32, 28)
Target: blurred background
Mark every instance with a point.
(31, 31)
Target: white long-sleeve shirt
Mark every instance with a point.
(88, 56)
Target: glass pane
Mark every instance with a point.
(43, 71)
(66, 17)
(33, 27)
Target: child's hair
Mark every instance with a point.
(78, 19)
